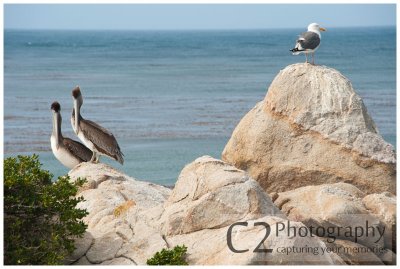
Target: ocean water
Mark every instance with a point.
(172, 96)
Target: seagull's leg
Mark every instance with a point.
(97, 159)
(306, 57)
(313, 58)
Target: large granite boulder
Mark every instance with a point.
(358, 227)
(211, 194)
(383, 206)
(209, 247)
(129, 220)
(312, 128)
(336, 207)
(112, 198)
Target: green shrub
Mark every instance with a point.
(40, 218)
(175, 256)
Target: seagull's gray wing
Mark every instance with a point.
(308, 41)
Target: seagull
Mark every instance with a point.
(69, 152)
(308, 42)
(96, 138)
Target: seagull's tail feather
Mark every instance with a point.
(296, 51)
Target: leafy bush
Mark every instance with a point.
(40, 218)
(175, 256)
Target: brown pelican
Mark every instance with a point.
(69, 152)
(95, 137)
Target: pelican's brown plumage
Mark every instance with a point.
(95, 137)
(69, 152)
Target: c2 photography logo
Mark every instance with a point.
(291, 240)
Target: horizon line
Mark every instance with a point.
(184, 29)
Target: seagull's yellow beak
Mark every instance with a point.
(322, 29)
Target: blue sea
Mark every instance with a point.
(172, 96)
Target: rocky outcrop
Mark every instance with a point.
(210, 194)
(331, 206)
(383, 206)
(111, 197)
(362, 226)
(311, 129)
(209, 247)
(311, 145)
(129, 220)
(208, 197)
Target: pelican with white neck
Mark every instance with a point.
(95, 137)
(69, 152)
(308, 42)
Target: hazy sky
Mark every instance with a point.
(192, 16)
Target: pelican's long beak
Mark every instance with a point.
(76, 108)
(322, 29)
(56, 127)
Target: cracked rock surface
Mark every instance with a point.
(114, 202)
(309, 153)
(129, 220)
(312, 128)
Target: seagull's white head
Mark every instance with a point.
(314, 27)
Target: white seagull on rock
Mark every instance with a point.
(308, 42)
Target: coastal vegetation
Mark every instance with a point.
(40, 216)
(175, 256)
